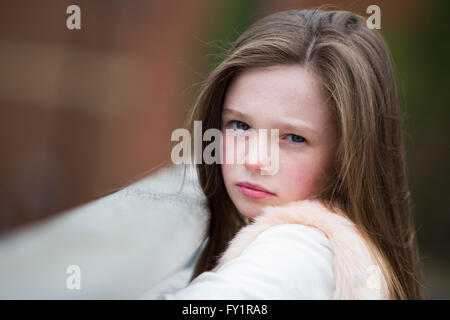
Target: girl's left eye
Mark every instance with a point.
(295, 138)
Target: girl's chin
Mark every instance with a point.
(250, 214)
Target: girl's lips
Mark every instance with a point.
(253, 193)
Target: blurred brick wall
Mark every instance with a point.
(84, 112)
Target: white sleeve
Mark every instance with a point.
(288, 261)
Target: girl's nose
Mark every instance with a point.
(254, 160)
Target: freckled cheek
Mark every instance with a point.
(227, 144)
(226, 172)
(298, 179)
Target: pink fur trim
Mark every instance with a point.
(352, 262)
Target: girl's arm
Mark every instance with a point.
(288, 261)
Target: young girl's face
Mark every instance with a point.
(270, 98)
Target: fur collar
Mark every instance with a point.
(356, 273)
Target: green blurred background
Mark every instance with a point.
(84, 113)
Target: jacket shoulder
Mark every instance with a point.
(269, 269)
(353, 262)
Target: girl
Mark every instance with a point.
(335, 220)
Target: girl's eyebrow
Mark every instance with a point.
(238, 113)
(287, 125)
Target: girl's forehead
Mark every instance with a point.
(277, 92)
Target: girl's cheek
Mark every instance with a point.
(226, 145)
(225, 170)
(298, 178)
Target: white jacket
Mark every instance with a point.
(268, 269)
(297, 251)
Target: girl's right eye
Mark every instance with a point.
(239, 125)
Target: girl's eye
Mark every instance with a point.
(296, 139)
(239, 125)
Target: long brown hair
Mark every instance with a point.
(370, 182)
